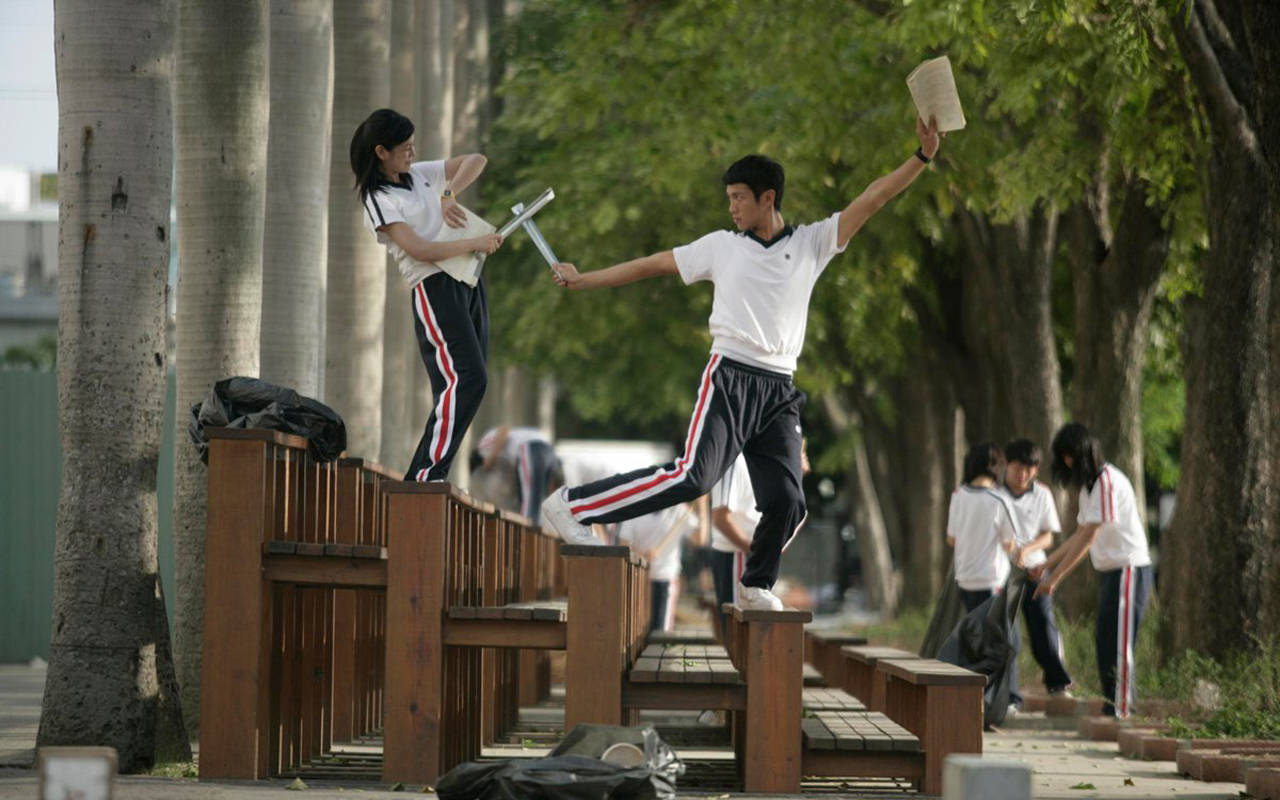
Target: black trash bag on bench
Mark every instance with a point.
(254, 403)
(983, 642)
(573, 771)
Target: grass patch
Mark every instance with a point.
(174, 769)
(1247, 685)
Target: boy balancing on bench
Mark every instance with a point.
(746, 403)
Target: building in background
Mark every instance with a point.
(28, 257)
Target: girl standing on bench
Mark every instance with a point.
(406, 203)
(1108, 528)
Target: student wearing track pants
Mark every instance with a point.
(733, 521)
(406, 203)
(746, 401)
(526, 453)
(1109, 528)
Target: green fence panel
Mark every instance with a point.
(30, 483)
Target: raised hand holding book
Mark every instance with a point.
(465, 267)
(933, 88)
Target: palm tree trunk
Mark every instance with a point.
(109, 646)
(221, 102)
(295, 239)
(400, 362)
(357, 263)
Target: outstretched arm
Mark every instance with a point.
(885, 188)
(663, 263)
(1067, 557)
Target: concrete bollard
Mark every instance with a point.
(970, 777)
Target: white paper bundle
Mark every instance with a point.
(933, 88)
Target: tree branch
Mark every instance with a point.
(1215, 90)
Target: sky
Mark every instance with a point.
(28, 89)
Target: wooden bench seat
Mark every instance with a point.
(940, 703)
(660, 663)
(822, 650)
(861, 679)
(826, 699)
(683, 636)
(542, 610)
(851, 744)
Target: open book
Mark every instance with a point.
(933, 88)
(465, 267)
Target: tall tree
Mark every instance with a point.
(435, 135)
(401, 365)
(295, 239)
(110, 679)
(220, 114)
(1226, 532)
(357, 263)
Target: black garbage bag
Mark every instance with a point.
(573, 771)
(254, 403)
(982, 641)
(946, 614)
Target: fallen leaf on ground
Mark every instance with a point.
(297, 785)
(1083, 786)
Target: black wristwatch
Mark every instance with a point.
(920, 155)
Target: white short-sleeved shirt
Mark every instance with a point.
(734, 493)
(980, 520)
(1036, 513)
(516, 438)
(761, 301)
(418, 206)
(648, 531)
(1122, 540)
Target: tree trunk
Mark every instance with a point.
(471, 77)
(435, 78)
(873, 541)
(401, 364)
(435, 137)
(1225, 537)
(927, 415)
(221, 103)
(357, 263)
(295, 238)
(1008, 323)
(109, 647)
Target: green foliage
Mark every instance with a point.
(632, 111)
(1248, 685)
(41, 355)
(1164, 397)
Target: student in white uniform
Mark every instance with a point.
(406, 202)
(527, 453)
(746, 403)
(1109, 528)
(656, 537)
(980, 526)
(1037, 516)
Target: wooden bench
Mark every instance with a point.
(341, 601)
(822, 649)
(767, 648)
(940, 703)
(814, 699)
(860, 744)
(861, 678)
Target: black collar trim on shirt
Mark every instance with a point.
(405, 182)
(786, 231)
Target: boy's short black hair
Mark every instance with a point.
(982, 459)
(1087, 461)
(760, 173)
(1024, 451)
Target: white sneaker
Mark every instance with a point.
(753, 598)
(556, 515)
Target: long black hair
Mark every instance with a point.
(982, 459)
(383, 127)
(1075, 440)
